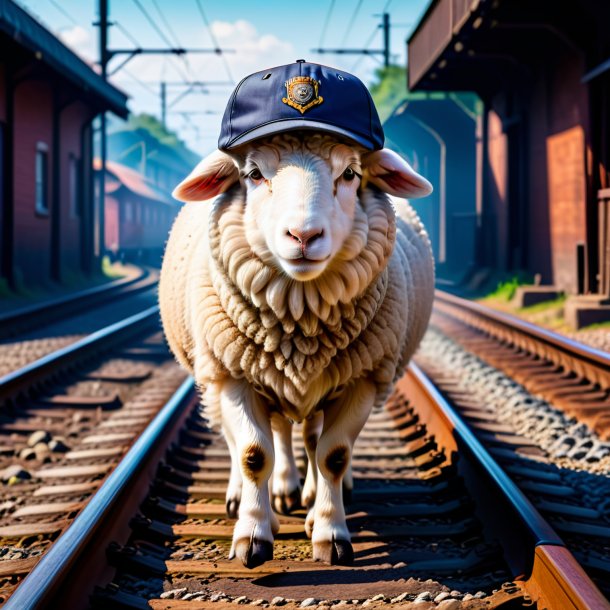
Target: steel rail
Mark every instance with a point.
(17, 381)
(563, 351)
(67, 554)
(555, 577)
(55, 308)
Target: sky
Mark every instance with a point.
(261, 34)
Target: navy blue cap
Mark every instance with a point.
(301, 95)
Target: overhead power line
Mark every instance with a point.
(367, 44)
(385, 51)
(153, 23)
(166, 23)
(64, 12)
(127, 34)
(325, 26)
(213, 38)
(351, 23)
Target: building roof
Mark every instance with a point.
(31, 35)
(120, 176)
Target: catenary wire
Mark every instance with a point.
(351, 23)
(367, 44)
(64, 12)
(325, 26)
(214, 39)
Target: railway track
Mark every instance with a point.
(38, 334)
(67, 419)
(518, 388)
(572, 376)
(434, 520)
(28, 318)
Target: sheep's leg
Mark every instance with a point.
(286, 483)
(246, 420)
(343, 420)
(312, 428)
(233, 495)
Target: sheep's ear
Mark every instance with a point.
(392, 174)
(212, 176)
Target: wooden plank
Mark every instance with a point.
(32, 529)
(101, 452)
(118, 437)
(235, 568)
(69, 488)
(65, 472)
(48, 509)
(13, 567)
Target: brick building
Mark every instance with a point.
(542, 70)
(138, 215)
(48, 100)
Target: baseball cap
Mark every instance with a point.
(301, 95)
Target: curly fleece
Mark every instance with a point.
(228, 310)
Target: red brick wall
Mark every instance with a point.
(33, 124)
(72, 120)
(554, 115)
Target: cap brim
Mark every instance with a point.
(296, 124)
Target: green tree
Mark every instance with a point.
(389, 89)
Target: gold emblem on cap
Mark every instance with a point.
(302, 93)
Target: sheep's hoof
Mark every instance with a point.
(232, 508)
(335, 552)
(253, 552)
(285, 504)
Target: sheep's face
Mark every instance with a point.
(301, 194)
(300, 202)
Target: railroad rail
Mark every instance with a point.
(157, 529)
(32, 316)
(67, 420)
(571, 375)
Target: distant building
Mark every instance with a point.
(48, 99)
(163, 165)
(436, 134)
(542, 70)
(138, 215)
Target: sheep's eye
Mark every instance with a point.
(255, 175)
(349, 174)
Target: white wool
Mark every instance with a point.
(229, 310)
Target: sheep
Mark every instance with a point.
(298, 294)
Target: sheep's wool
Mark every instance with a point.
(297, 343)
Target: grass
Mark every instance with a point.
(112, 271)
(598, 326)
(506, 289)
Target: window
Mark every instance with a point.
(42, 179)
(128, 211)
(74, 186)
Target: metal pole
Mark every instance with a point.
(386, 39)
(103, 23)
(163, 103)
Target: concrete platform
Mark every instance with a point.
(585, 310)
(525, 296)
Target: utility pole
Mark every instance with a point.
(385, 25)
(106, 55)
(99, 238)
(386, 39)
(163, 103)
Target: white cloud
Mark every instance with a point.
(254, 51)
(79, 40)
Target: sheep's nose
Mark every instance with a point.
(305, 237)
